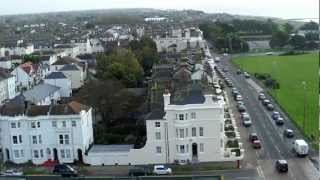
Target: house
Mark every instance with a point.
(188, 130)
(43, 94)
(34, 133)
(71, 50)
(16, 48)
(60, 80)
(27, 75)
(7, 85)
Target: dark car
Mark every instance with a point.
(270, 107)
(239, 71)
(253, 137)
(282, 166)
(288, 133)
(280, 121)
(139, 171)
(275, 115)
(241, 108)
(256, 144)
(65, 170)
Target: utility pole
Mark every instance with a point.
(304, 84)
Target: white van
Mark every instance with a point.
(301, 147)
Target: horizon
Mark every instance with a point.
(307, 9)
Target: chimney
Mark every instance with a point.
(166, 98)
(208, 99)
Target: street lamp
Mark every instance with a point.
(304, 84)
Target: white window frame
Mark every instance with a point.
(201, 131)
(201, 147)
(181, 117)
(13, 125)
(194, 132)
(73, 123)
(158, 135)
(182, 149)
(181, 133)
(193, 115)
(54, 124)
(157, 124)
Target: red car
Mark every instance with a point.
(256, 144)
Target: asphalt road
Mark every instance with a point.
(274, 144)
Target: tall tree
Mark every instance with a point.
(279, 39)
(298, 42)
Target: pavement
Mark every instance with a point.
(274, 144)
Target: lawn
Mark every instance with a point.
(290, 72)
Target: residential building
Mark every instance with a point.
(43, 94)
(40, 133)
(7, 85)
(60, 80)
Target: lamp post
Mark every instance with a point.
(304, 84)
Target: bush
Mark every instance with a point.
(237, 151)
(232, 144)
(229, 128)
(291, 53)
(230, 134)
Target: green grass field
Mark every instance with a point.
(290, 72)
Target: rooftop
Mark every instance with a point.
(40, 92)
(56, 75)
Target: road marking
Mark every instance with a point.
(260, 172)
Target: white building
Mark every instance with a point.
(180, 39)
(5, 63)
(75, 74)
(189, 131)
(60, 80)
(18, 48)
(41, 133)
(7, 86)
(43, 94)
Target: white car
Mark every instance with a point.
(12, 172)
(239, 98)
(161, 170)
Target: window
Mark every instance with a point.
(176, 116)
(35, 153)
(177, 148)
(201, 131)
(73, 123)
(16, 153)
(20, 139)
(201, 147)
(54, 123)
(158, 136)
(39, 139)
(158, 149)
(19, 124)
(193, 115)
(64, 139)
(177, 133)
(34, 140)
(64, 124)
(181, 117)
(221, 142)
(41, 153)
(157, 124)
(186, 116)
(182, 150)
(38, 124)
(181, 131)
(15, 139)
(13, 125)
(63, 154)
(194, 132)
(21, 153)
(186, 132)
(68, 153)
(33, 124)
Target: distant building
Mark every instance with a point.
(7, 85)
(43, 94)
(60, 80)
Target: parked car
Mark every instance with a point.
(239, 71)
(265, 102)
(270, 107)
(261, 96)
(275, 115)
(282, 165)
(269, 53)
(65, 170)
(238, 97)
(279, 121)
(161, 170)
(301, 147)
(256, 144)
(139, 171)
(288, 133)
(11, 172)
(253, 137)
(246, 120)
(246, 75)
(241, 108)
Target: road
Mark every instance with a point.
(274, 144)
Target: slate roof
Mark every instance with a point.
(69, 67)
(56, 75)
(39, 92)
(195, 97)
(156, 114)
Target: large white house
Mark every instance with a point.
(188, 131)
(40, 133)
(60, 80)
(180, 39)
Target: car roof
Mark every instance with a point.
(282, 161)
(289, 130)
(159, 166)
(253, 134)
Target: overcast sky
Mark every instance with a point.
(274, 8)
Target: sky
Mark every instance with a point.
(288, 9)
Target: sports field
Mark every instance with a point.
(291, 72)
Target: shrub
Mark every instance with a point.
(237, 151)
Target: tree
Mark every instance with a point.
(297, 42)
(121, 65)
(288, 28)
(31, 58)
(279, 39)
(310, 26)
(312, 37)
